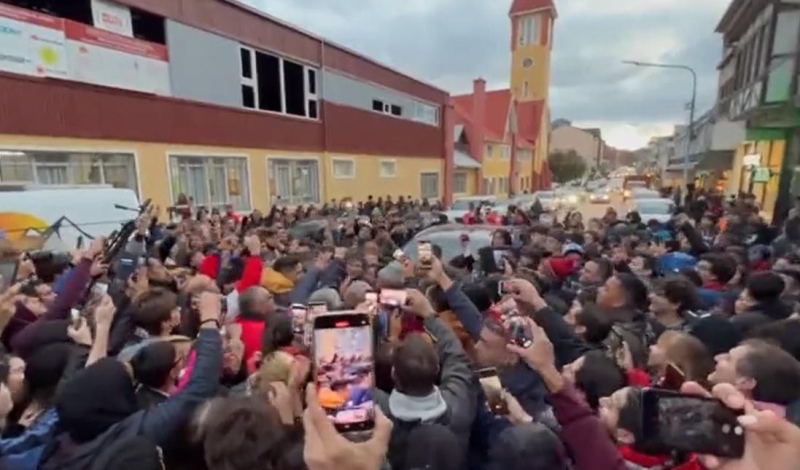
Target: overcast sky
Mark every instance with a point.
(450, 42)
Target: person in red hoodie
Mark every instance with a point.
(621, 413)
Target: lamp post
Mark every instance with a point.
(691, 105)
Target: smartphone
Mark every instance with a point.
(672, 422)
(493, 389)
(425, 254)
(75, 318)
(673, 378)
(344, 368)
(500, 259)
(8, 269)
(519, 333)
(126, 267)
(392, 297)
(503, 288)
(299, 315)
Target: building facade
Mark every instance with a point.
(506, 131)
(758, 86)
(212, 100)
(587, 143)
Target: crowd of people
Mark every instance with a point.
(194, 361)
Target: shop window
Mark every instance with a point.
(294, 181)
(210, 181)
(67, 167)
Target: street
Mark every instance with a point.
(591, 210)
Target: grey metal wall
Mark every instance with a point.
(341, 89)
(203, 66)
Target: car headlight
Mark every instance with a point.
(627, 193)
(572, 199)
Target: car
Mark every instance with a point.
(547, 199)
(660, 209)
(640, 194)
(461, 205)
(448, 238)
(600, 196)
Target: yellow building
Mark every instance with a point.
(506, 131)
(268, 114)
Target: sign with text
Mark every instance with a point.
(31, 43)
(112, 17)
(103, 58)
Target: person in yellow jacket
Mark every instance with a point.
(281, 278)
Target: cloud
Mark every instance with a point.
(450, 42)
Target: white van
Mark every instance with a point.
(55, 217)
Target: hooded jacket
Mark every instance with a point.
(65, 451)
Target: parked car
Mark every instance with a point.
(547, 199)
(460, 206)
(448, 237)
(600, 196)
(655, 209)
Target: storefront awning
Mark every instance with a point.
(462, 160)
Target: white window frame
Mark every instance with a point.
(529, 28)
(381, 173)
(251, 82)
(207, 164)
(351, 161)
(505, 152)
(307, 89)
(426, 113)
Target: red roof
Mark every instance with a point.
(522, 6)
(529, 116)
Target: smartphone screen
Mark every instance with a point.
(75, 317)
(345, 369)
(99, 288)
(299, 317)
(686, 423)
(673, 378)
(493, 389)
(425, 254)
(393, 297)
(500, 259)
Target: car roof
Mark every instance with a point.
(462, 228)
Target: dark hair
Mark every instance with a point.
(596, 322)
(285, 263)
(784, 333)
(438, 299)
(776, 372)
(635, 291)
(723, 266)
(153, 363)
(153, 308)
(278, 333)
(679, 291)
(605, 266)
(691, 275)
(416, 366)
(478, 294)
(242, 432)
(599, 377)
(765, 286)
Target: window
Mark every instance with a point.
(525, 89)
(67, 167)
(312, 99)
(426, 113)
(460, 182)
(529, 27)
(786, 26)
(343, 168)
(211, 181)
(388, 168)
(380, 106)
(429, 185)
(294, 181)
(505, 152)
(271, 83)
(489, 150)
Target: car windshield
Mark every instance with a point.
(450, 243)
(462, 204)
(654, 207)
(546, 195)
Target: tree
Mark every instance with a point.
(566, 165)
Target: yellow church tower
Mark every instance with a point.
(532, 24)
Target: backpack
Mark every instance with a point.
(424, 446)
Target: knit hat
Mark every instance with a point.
(562, 268)
(571, 248)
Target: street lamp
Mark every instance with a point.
(691, 105)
